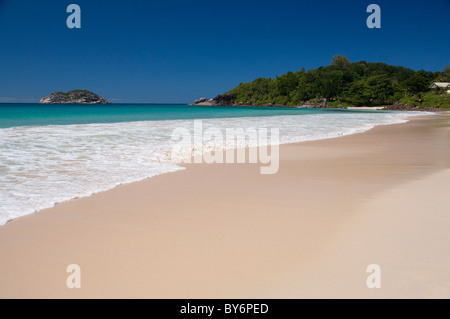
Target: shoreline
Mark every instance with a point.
(183, 166)
(224, 231)
(393, 107)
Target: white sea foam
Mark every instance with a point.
(44, 165)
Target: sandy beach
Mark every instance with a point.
(226, 231)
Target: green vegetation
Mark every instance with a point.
(73, 92)
(344, 83)
(430, 99)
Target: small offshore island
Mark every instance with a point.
(74, 97)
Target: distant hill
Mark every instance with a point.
(341, 84)
(74, 97)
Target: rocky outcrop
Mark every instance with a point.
(406, 107)
(319, 104)
(224, 100)
(200, 100)
(74, 97)
(230, 100)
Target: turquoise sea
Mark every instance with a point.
(53, 153)
(50, 114)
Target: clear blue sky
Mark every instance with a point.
(177, 51)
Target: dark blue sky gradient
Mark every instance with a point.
(176, 51)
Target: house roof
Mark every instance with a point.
(441, 84)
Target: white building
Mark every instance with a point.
(437, 85)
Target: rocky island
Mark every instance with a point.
(74, 97)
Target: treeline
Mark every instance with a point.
(341, 83)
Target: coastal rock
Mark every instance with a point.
(230, 100)
(406, 107)
(400, 107)
(74, 97)
(224, 100)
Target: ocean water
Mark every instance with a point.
(54, 153)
